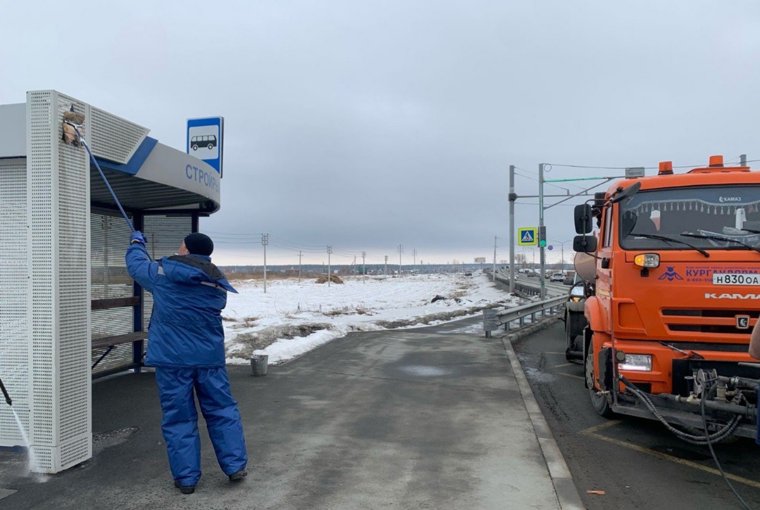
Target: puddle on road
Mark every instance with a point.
(537, 375)
(103, 440)
(424, 370)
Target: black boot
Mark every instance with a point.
(238, 476)
(184, 489)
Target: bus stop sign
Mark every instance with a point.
(205, 140)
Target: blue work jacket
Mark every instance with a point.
(189, 294)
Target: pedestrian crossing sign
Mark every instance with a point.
(527, 236)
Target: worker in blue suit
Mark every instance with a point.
(186, 346)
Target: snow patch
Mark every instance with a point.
(293, 318)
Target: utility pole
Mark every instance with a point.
(541, 229)
(385, 271)
(300, 254)
(364, 267)
(264, 243)
(414, 256)
(494, 259)
(400, 251)
(512, 198)
(329, 272)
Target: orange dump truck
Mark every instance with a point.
(674, 291)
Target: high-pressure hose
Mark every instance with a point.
(81, 140)
(5, 394)
(719, 435)
(706, 439)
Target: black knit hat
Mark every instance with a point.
(199, 244)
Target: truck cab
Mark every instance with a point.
(676, 293)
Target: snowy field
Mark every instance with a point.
(293, 318)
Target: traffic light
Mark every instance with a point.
(542, 237)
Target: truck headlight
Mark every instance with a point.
(637, 363)
(648, 260)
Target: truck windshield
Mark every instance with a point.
(705, 217)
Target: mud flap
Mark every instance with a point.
(605, 369)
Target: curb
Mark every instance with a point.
(564, 486)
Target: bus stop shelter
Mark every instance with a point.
(68, 310)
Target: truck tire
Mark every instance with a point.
(598, 400)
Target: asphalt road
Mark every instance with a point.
(636, 462)
(429, 418)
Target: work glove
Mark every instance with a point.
(137, 237)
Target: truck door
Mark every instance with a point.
(604, 264)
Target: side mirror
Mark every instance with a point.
(584, 244)
(583, 218)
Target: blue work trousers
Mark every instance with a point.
(177, 389)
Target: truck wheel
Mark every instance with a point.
(598, 400)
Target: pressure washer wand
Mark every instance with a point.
(105, 180)
(5, 394)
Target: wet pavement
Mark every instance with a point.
(426, 418)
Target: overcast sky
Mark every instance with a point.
(368, 124)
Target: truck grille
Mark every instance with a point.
(707, 321)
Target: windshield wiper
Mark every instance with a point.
(670, 240)
(720, 238)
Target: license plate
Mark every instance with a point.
(736, 279)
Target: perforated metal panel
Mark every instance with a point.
(40, 191)
(14, 350)
(114, 138)
(109, 239)
(58, 205)
(164, 235)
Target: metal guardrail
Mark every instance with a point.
(531, 286)
(494, 319)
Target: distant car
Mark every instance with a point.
(532, 274)
(569, 278)
(557, 277)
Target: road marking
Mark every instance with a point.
(570, 375)
(593, 432)
(4, 493)
(596, 428)
(563, 365)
